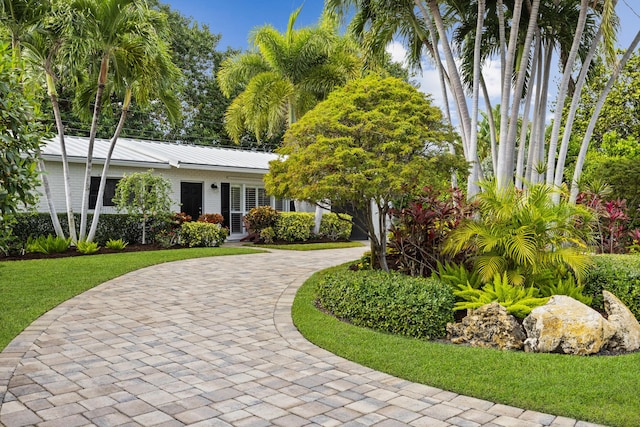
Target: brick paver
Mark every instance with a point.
(210, 342)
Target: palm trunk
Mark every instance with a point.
(492, 124)
(502, 38)
(65, 161)
(472, 182)
(454, 75)
(525, 121)
(102, 79)
(594, 117)
(105, 167)
(562, 91)
(507, 66)
(509, 151)
(52, 208)
(575, 101)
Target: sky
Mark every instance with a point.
(234, 19)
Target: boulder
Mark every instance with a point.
(626, 326)
(565, 325)
(488, 326)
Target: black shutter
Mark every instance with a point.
(225, 208)
(93, 191)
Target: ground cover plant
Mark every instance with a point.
(597, 389)
(30, 288)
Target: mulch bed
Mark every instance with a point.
(73, 252)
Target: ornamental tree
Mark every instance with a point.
(145, 194)
(371, 142)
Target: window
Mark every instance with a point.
(109, 191)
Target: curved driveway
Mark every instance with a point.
(209, 342)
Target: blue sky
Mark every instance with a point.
(235, 18)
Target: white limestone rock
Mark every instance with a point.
(626, 326)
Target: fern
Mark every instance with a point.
(116, 245)
(517, 300)
(457, 276)
(48, 245)
(87, 248)
(566, 287)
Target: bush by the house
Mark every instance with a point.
(202, 234)
(214, 218)
(294, 226)
(618, 274)
(336, 227)
(390, 302)
(259, 218)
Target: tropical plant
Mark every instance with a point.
(259, 218)
(284, 75)
(145, 194)
(518, 300)
(48, 244)
(367, 145)
(215, 218)
(116, 245)
(87, 248)
(419, 230)
(458, 276)
(202, 234)
(567, 287)
(522, 233)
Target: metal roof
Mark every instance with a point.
(155, 154)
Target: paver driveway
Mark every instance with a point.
(209, 342)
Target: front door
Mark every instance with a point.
(191, 198)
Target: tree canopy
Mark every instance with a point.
(371, 141)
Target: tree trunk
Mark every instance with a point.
(575, 101)
(474, 177)
(102, 79)
(562, 91)
(525, 120)
(66, 176)
(594, 117)
(52, 208)
(492, 125)
(105, 167)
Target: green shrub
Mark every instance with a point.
(294, 226)
(518, 301)
(87, 248)
(116, 245)
(268, 235)
(202, 234)
(457, 276)
(48, 245)
(336, 227)
(618, 274)
(259, 218)
(390, 302)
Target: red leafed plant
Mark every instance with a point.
(214, 218)
(420, 228)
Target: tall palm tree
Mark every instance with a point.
(108, 35)
(284, 76)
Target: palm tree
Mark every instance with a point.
(110, 35)
(284, 76)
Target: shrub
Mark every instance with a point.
(214, 218)
(390, 302)
(294, 226)
(518, 301)
(419, 230)
(87, 248)
(48, 245)
(336, 227)
(567, 287)
(618, 274)
(458, 276)
(116, 245)
(268, 235)
(202, 234)
(260, 218)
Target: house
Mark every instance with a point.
(204, 179)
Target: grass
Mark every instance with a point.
(310, 246)
(600, 389)
(30, 288)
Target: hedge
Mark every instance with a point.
(618, 274)
(334, 227)
(202, 234)
(389, 302)
(294, 226)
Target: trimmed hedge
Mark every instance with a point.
(294, 226)
(110, 226)
(389, 302)
(618, 274)
(202, 234)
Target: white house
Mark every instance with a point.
(204, 179)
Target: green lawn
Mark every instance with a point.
(600, 389)
(310, 246)
(29, 289)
